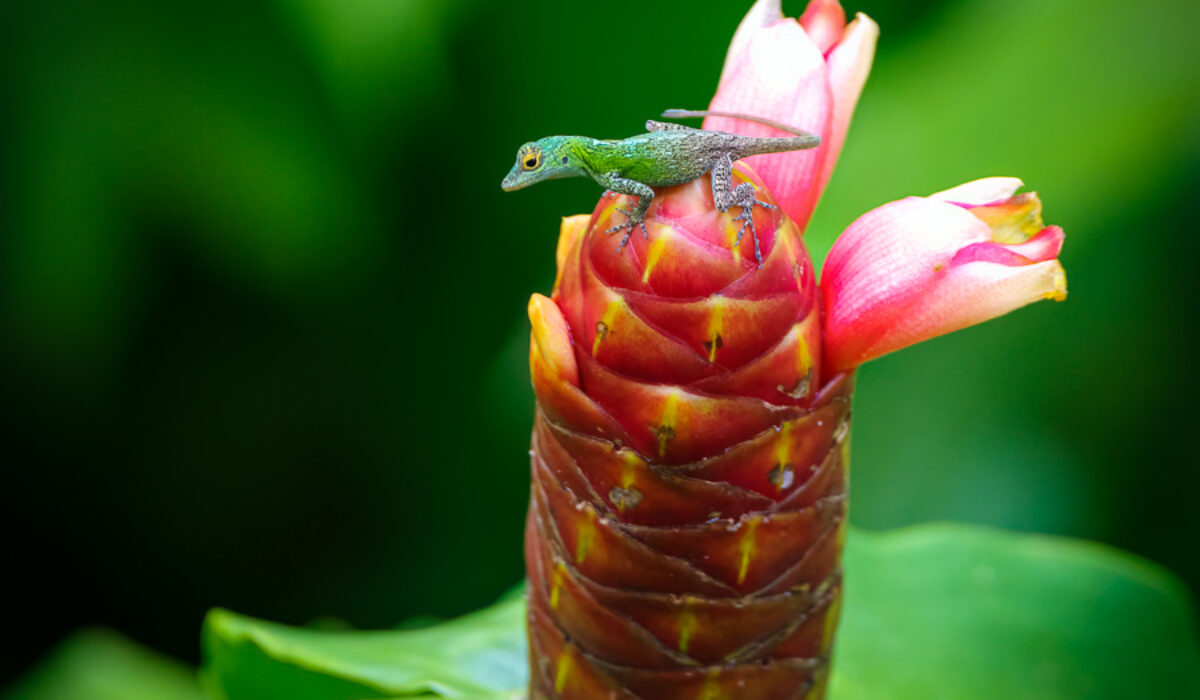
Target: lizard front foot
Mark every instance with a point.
(628, 227)
(747, 219)
(744, 198)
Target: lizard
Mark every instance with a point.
(667, 154)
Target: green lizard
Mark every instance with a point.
(668, 154)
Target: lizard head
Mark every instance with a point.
(544, 159)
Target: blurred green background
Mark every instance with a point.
(262, 301)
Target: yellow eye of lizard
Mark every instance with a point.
(531, 160)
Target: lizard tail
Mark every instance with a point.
(690, 113)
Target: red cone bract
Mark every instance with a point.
(688, 461)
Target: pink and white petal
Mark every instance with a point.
(848, 65)
(780, 75)
(889, 253)
(824, 21)
(762, 14)
(980, 192)
(1040, 248)
(969, 294)
(921, 267)
(1046, 245)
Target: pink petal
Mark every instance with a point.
(824, 21)
(777, 68)
(922, 267)
(763, 14)
(1042, 247)
(979, 192)
(848, 64)
(779, 74)
(968, 295)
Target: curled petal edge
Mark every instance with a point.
(980, 192)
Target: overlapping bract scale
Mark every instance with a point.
(688, 461)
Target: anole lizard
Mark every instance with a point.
(667, 154)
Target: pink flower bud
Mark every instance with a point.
(805, 73)
(922, 267)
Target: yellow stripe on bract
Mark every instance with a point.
(556, 584)
(687, 623)
(629, 472)
(610, 316)
(803, 355)
(747, 546)
(628, 478)
(716, 324)
(786, 233)
(566, 663)
(711, 690)
(666, 424)
(586, 538)
(657, 246)
(607, 212)
(731, 231)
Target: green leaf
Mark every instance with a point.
(99, 664)
(936, 611)
(480, 656)
(949, 611)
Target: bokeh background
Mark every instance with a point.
(262, 302)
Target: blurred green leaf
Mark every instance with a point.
(480, 656)
(936, 611)
(949, 611)
(99, 664)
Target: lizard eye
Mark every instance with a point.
(532, 161)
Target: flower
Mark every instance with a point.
(687, 475)
(925, 266)
(806, 73)
(691, 441)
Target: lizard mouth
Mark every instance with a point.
(512, 182)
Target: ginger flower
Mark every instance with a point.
(691, 442)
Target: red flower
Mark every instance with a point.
(691, 440)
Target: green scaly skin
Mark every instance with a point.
(667, 154)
